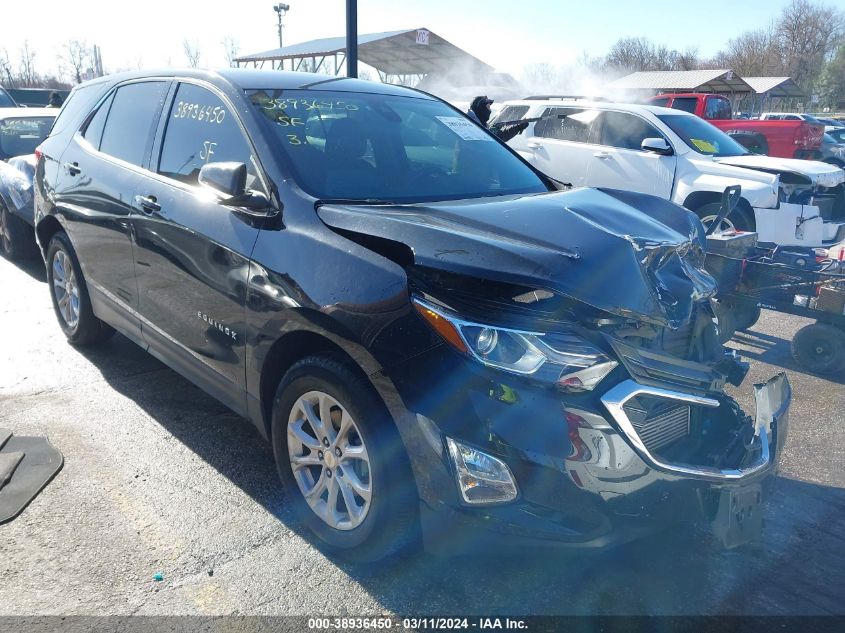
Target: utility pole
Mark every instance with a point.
(281, 9)
(351, 38)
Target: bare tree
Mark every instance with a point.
(539, 76)
(76, 55)
(807, 35)
(632, 53)
(231, 49)
(192, 52)
(6, 68)
(26, 67)
(753, 54)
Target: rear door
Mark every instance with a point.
(192, 253)
(99, 172)
(623, 164)
(563, 143)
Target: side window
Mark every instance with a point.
(625, 131)
(687, 104)
(202, 129)
(130, 120)
(717, 108)
(567, 124)
(511, 113)
(662, 102)
(94, 132)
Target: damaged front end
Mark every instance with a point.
(580, 328)
(811, 201)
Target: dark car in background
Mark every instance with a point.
(21, 131)
(6, 100)
(427, 331)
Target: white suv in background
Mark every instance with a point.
(681, 157)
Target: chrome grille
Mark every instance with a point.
(661, 425)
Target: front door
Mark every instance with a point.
(623, 164)
(192, 252)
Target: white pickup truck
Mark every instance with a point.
(680, 157)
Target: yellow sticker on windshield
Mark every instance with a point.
(704, 146)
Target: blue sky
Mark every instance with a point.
(506, 34)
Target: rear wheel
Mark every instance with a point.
(820, 348)
(17, 240)
(341, 461)
(738, 219)
(70, 295)
(745, 315)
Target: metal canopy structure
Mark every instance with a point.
(775, 86)
(720, 81)
(402, 56)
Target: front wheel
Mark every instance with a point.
(738, 219)
(341, 461)
(70, 295)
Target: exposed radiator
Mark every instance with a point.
(661, 425)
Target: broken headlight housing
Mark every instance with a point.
(561, 358)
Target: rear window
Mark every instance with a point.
(511, 113)
(659, 102)
(385, 148)
(130, 120)
(77, 106)
(22, 135)
(687, 104)
(717, 108)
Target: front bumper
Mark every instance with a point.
(621, 492)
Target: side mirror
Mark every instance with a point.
(227, 178)
(657, 146)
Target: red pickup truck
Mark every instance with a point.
(786, 139)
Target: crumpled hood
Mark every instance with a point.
(816, 172)
(628, 254)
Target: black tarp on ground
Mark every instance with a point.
(27, 464)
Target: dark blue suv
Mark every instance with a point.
(429, 331)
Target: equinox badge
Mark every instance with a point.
(218, 325)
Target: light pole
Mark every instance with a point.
(281, 9)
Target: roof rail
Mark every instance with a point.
(562, 97)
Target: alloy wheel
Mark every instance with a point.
(66, 289)
(725, 225)
(329, 460)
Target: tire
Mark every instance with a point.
(75, 316)
(17, 239)
(820, 348)
(745, 315)
(738, 219)
(375, 528)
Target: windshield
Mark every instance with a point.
(360, 146)
(22, 135)
(701, 136)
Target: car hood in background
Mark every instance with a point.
(628, 254)
(816, 172)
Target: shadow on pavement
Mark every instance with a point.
(794, 570)
(776, 351)
(32, 266)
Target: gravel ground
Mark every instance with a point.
(159, 477)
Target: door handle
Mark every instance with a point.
(603, 155)
(148, 204)
(535, 144)
(73, 168)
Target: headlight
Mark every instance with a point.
(564, 359)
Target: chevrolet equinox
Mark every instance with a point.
(436, 339)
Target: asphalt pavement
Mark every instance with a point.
(160, 478)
